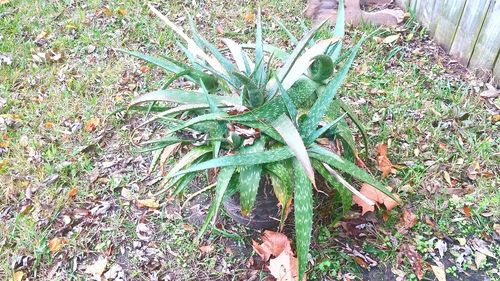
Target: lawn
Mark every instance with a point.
(72, 181)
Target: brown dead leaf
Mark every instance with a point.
(55, 244)
(48, 125)
(148, 203)
(361, 262)
(97, 268)
(373, 194)
(92, 124)
(219, 29)
(284, 267)
(18, 275)
(466, 211)
(3, 2)
(122, 11)
(415, 259)
(144, 69)
(407, 221)
(490, 92)
(206, 248)
(72, 193)
(273, 243)
(383, 163)
(249, 17)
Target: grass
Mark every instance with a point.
(434, 122)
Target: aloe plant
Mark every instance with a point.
(258, 120)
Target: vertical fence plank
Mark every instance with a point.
(425, 12)
(488, 43)
(496, 72)
(468, 30)
(448, 18)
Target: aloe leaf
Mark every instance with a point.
(175, 110)
(350, 168)
(344, 195)
(304, 61)
(256, 158)
(270, 49)
(252, 93)
(188, 159)
(197, 51)
(291, 136)
(292, 110)
(165, 64)
(356, 121)
(218, 131)
(316, 134)
(283, 72)
(217, 116)
(183, 183)
(259, 50)
(250, 178)
(288, 33)
(339, 31)
(183, 97)
(303, 216)
(282, 181)
(239, 56)
(223, 180)
(323, 102)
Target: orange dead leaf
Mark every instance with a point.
(72, 192)
(374, 194)
(206, 248)
(48, 125)
(249, 17)
(92, 124)
(144, 69)
(361, 262)
(273, 243)
(18, 275)
(122, 12)
(149, 203)
(407, 221)
(467, 211)
(383, 163)
(55, 244)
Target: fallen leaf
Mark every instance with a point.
(409, 251)
(442, 247)
(92, 124)
(122, 12)
(18, 275)
(479, 259)
(273, 243)
(149, 203)
(144, 69)
(219, 29)
(48, 125)
(361, 262)
(56, 243)
(373, 194)
(496, 228)
(97, 268)
(407, 221)
(143, 232)
(467, 211)
(72, 192)
(3, 2)
(390, 39)
(383, 163)
(206, 248)
(491, 92)
(4, 163)
(439, 272)
(447, 178)
(24, 141)
(249, 17)
(284, 267)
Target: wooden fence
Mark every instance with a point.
(469, 30)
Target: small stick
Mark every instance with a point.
(347, 185)
(197, 193)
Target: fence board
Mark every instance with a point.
(424, 10)
(468, 30)
(448, 17)
(488, 43)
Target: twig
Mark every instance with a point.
(342, 181)
(197, 193)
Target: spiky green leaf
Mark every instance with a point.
(303, 215)
(183, 97)
(250, 178)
